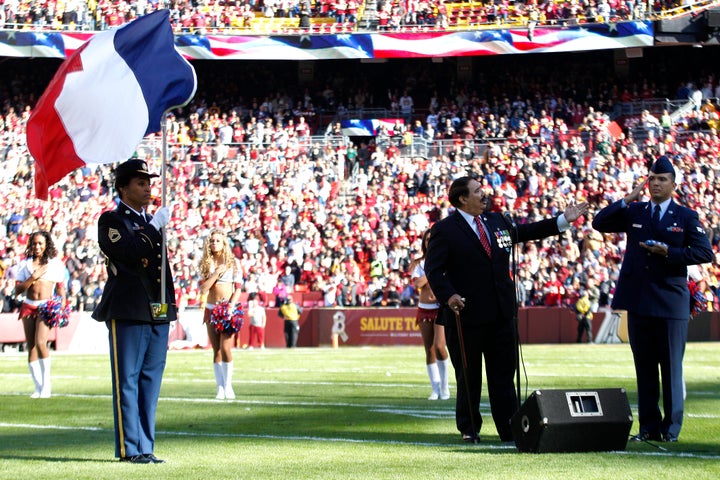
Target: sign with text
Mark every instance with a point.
(374, 326)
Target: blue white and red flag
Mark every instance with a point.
(106, 97)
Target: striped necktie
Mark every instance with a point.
(483, 236)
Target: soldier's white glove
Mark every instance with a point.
(161, 218)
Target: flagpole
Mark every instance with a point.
(163, 200)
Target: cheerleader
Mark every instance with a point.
(433, 335)
(220, 280)
(41, 275)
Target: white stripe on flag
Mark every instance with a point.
(118, 109)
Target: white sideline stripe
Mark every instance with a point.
(208, 380)
(441, 411)
(257, 436)
(443, 407)
(300, 438)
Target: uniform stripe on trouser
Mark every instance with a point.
(116, 375)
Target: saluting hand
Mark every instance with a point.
(635, 194)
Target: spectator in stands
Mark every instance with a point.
(40, 277)
(305, 14)
(220, 279)
(433, 335)
(406, 107)
(256, 190)
(340, 11)
(280, 292)
(352, 10)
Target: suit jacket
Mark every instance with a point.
(456, 262)
(132, 254)
(650, 284)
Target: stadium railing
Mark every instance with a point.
(462, 15)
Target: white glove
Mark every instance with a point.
(161, 218)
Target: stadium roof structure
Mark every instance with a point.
(696, 24)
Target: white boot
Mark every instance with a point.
(45, 390)
(227, 368)
(219, 381)
(444, 386)
(36, 375)
(434, 375)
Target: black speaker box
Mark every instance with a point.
(573, 421)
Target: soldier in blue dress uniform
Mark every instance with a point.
(663, 238)
(133, 308)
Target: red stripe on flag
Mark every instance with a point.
(47, 139)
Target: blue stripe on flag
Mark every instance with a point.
(167, 80)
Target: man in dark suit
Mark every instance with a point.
(132, 307)
(652, 287)
(473, 283)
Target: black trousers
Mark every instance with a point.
(495, 343)
(292, 329)
(584, 326)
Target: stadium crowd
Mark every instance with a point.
(219, 16)
(313, 211)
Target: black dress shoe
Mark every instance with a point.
(645, 437)
(153, 459)
(470, 438)
(136, 459)
(670, 438)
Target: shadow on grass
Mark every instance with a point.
(30, 458)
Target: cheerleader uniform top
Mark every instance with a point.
(55, 273)
(230, 276)
(418, 272)
(55, 270)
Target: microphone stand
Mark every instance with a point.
(515, 321)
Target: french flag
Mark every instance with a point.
(106, 97)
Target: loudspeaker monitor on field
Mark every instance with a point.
(573, 421)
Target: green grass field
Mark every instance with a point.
(323, 413)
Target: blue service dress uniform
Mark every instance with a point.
(653, 290)
(138, 342)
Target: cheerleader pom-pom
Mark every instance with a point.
(220, 316)
(698, 300)
(54, 314)
(238, 318)
(700, 303)
(225, 321)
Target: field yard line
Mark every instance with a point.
(480, 446)
(447, 406)
(430, 412)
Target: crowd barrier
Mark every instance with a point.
(351, 326)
